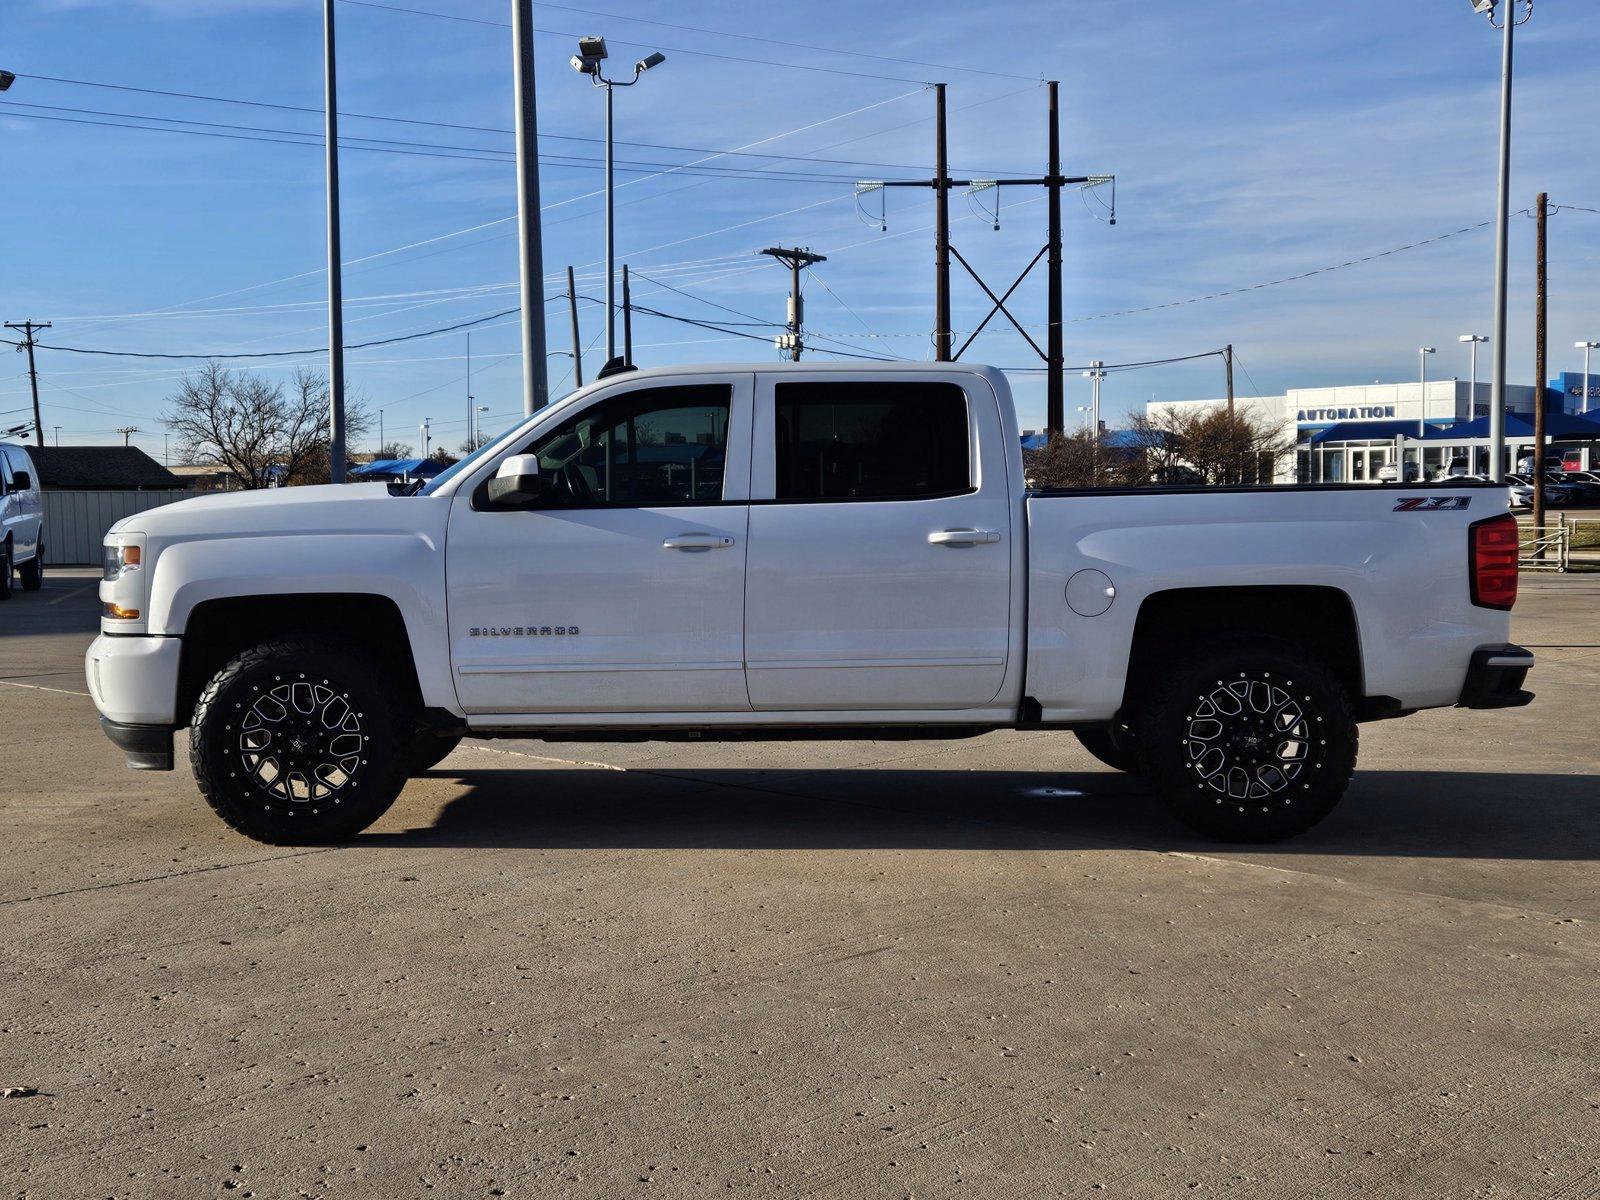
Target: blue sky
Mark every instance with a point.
(1251, 141)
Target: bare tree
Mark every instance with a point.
(1244, 446)
(395, 450)
(255, 429)
(1083, 458)
(474, 441)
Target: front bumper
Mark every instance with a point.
(1495, 677)
(133, 678)
(147, 747)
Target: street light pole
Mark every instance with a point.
(1472, 390)
(1497, 396)
(1586, 347)
(591, 53)
(1422, 421)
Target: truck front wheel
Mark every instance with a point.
(299, 741)
(1249, 739)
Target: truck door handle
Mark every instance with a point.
(963, 537)
(697, 541)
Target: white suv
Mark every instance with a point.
(21, 521)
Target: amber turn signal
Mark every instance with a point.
(117, 613)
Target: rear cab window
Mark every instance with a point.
(889, 440)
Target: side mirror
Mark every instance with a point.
(517, 482)
(21, 480)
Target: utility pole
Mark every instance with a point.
(795, 259)
(330, 103)
(577, 342)
(1053, 181)
(472, 416)
(127, 431)
(535, 381)
(627, 319)
(427, 435)
(1540, 283)
(28, 329)
(1054, 370)
(1227, 358)
(163, 442)
(941, 231)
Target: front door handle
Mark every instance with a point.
(697, 541)
(963, 537)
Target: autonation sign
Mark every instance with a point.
(1362, 412)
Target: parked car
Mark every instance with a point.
(793, 551)
(1518, 495)
(21, 521)
(1579, 491)
(1557, 494)
(1388, 473)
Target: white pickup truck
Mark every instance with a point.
(794, 551)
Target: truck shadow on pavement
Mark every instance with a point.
(1390, 813)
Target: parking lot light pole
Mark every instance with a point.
(591, 53)
(1497, 400)
(1422, 419)
(1586, 347)
(1472, 391)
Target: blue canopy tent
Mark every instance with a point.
(398, 468)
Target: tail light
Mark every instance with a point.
(1492, 563)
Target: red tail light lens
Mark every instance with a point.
(1492, 567)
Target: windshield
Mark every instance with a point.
(465, 464)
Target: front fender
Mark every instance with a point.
(406, 567)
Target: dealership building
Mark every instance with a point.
(1346, 434)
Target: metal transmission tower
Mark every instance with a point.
(28, 328)
(795, 259)
(1053, 181)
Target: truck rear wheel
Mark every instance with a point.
(1113, 745)
(32, 571)
(299, 741)
(1249, 739)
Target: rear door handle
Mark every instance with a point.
(963, 537)
(697, 541)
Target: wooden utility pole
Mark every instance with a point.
(337, 451)
(1054, 372)
(795, 259)
(28, 328)
(1227, 357)
(577, 342)
(1540, 348)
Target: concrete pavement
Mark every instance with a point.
(987, 967)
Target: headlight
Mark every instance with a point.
(119, 558)
(122, 586)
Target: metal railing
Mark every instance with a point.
(1546, 547)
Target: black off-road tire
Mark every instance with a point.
(1249, 739)
(342, 737)
(428, 749)
(1113, 744)
(32, 572)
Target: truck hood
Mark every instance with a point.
(327, 508)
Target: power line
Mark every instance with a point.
(462, 128)
(762, 62)
(427, 149)
(407, 337)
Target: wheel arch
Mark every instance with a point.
(1320, 619)
(220, 628)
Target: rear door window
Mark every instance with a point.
(871, 441)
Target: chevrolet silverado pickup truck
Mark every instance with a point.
(794, 551)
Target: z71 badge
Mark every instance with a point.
(1433, 504)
